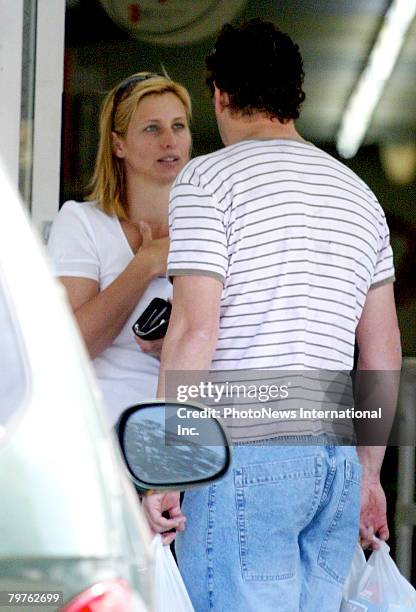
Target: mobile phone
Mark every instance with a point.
(154, 320)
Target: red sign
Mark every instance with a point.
(135, 13)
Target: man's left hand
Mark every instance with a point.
(373, 519)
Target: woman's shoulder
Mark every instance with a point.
(80, 209)
(86, 212)
(82, 226)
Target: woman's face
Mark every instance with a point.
(158, 140)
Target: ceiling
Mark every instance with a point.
(335, 37)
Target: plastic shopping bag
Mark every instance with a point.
(357, 569)
(377, 585)
(169, 589)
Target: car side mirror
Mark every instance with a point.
(168, 445)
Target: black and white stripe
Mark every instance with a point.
(297, 239)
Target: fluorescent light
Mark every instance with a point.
(383, 57)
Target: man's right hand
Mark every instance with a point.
(154, 505)
(373, 519)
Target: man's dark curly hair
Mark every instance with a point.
(260, 68)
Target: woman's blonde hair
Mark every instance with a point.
(107, 185)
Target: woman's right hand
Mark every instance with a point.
(156, 249)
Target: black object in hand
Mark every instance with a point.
(153, 322)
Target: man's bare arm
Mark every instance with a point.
(193, 329)
(377, 333)
(378, 339)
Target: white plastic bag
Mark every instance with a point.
(169, 589)
(377, 585)
(357, 568)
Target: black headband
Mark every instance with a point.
(125, 86)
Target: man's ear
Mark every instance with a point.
(221, 100)
(118, 145)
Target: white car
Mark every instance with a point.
(72, 533)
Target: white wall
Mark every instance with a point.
(49, 68)
(48, 108)
(11, 20)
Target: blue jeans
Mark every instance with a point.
(276, 534)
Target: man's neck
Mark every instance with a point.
(252, 128)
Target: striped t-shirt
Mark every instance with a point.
(297, 240)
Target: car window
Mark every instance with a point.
(13, 375)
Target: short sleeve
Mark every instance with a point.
(384, 268)
(197, 233)
(71, 245)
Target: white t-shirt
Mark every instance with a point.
(298, 240)
(86, 242)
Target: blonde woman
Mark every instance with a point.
(110, 251)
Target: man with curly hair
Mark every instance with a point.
(280, 260)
